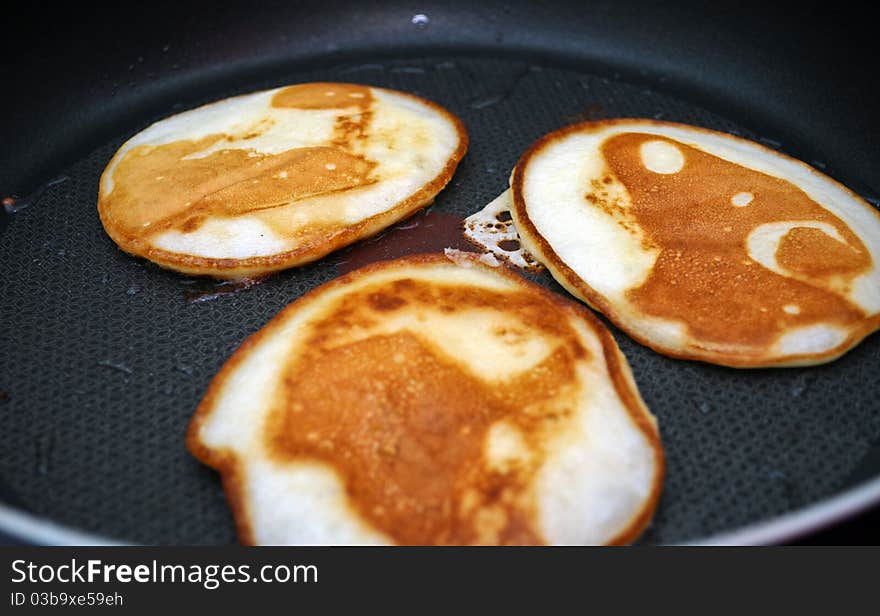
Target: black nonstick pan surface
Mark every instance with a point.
(103, 357)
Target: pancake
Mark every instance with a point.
(431, 400)
(702, 245)
(269, 180)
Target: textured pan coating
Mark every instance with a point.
(702, 245)
(431, 401)
(269, 180)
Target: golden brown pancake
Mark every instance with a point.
(431, 400)
(702, 245)
(266, 181)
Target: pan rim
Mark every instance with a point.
(800, 522)
(33, 529)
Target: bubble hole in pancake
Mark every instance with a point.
(269, 180)
(700, 244)
(431, 401)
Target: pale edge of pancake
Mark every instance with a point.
(255, 266)
(236, 472)
(726, 146)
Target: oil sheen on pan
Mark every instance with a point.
(702, 245)
(431, 401)
(266, 181)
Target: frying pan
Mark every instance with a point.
(104, 356)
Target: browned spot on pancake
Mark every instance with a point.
(157, 187)
(348, 130)
(405, 426)
(815, 253)
(703, 276)
(192, 223)
(324, 96)
(385, 301)
(355, 99)
(257, 129)
(599, 196)
(404, 284)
